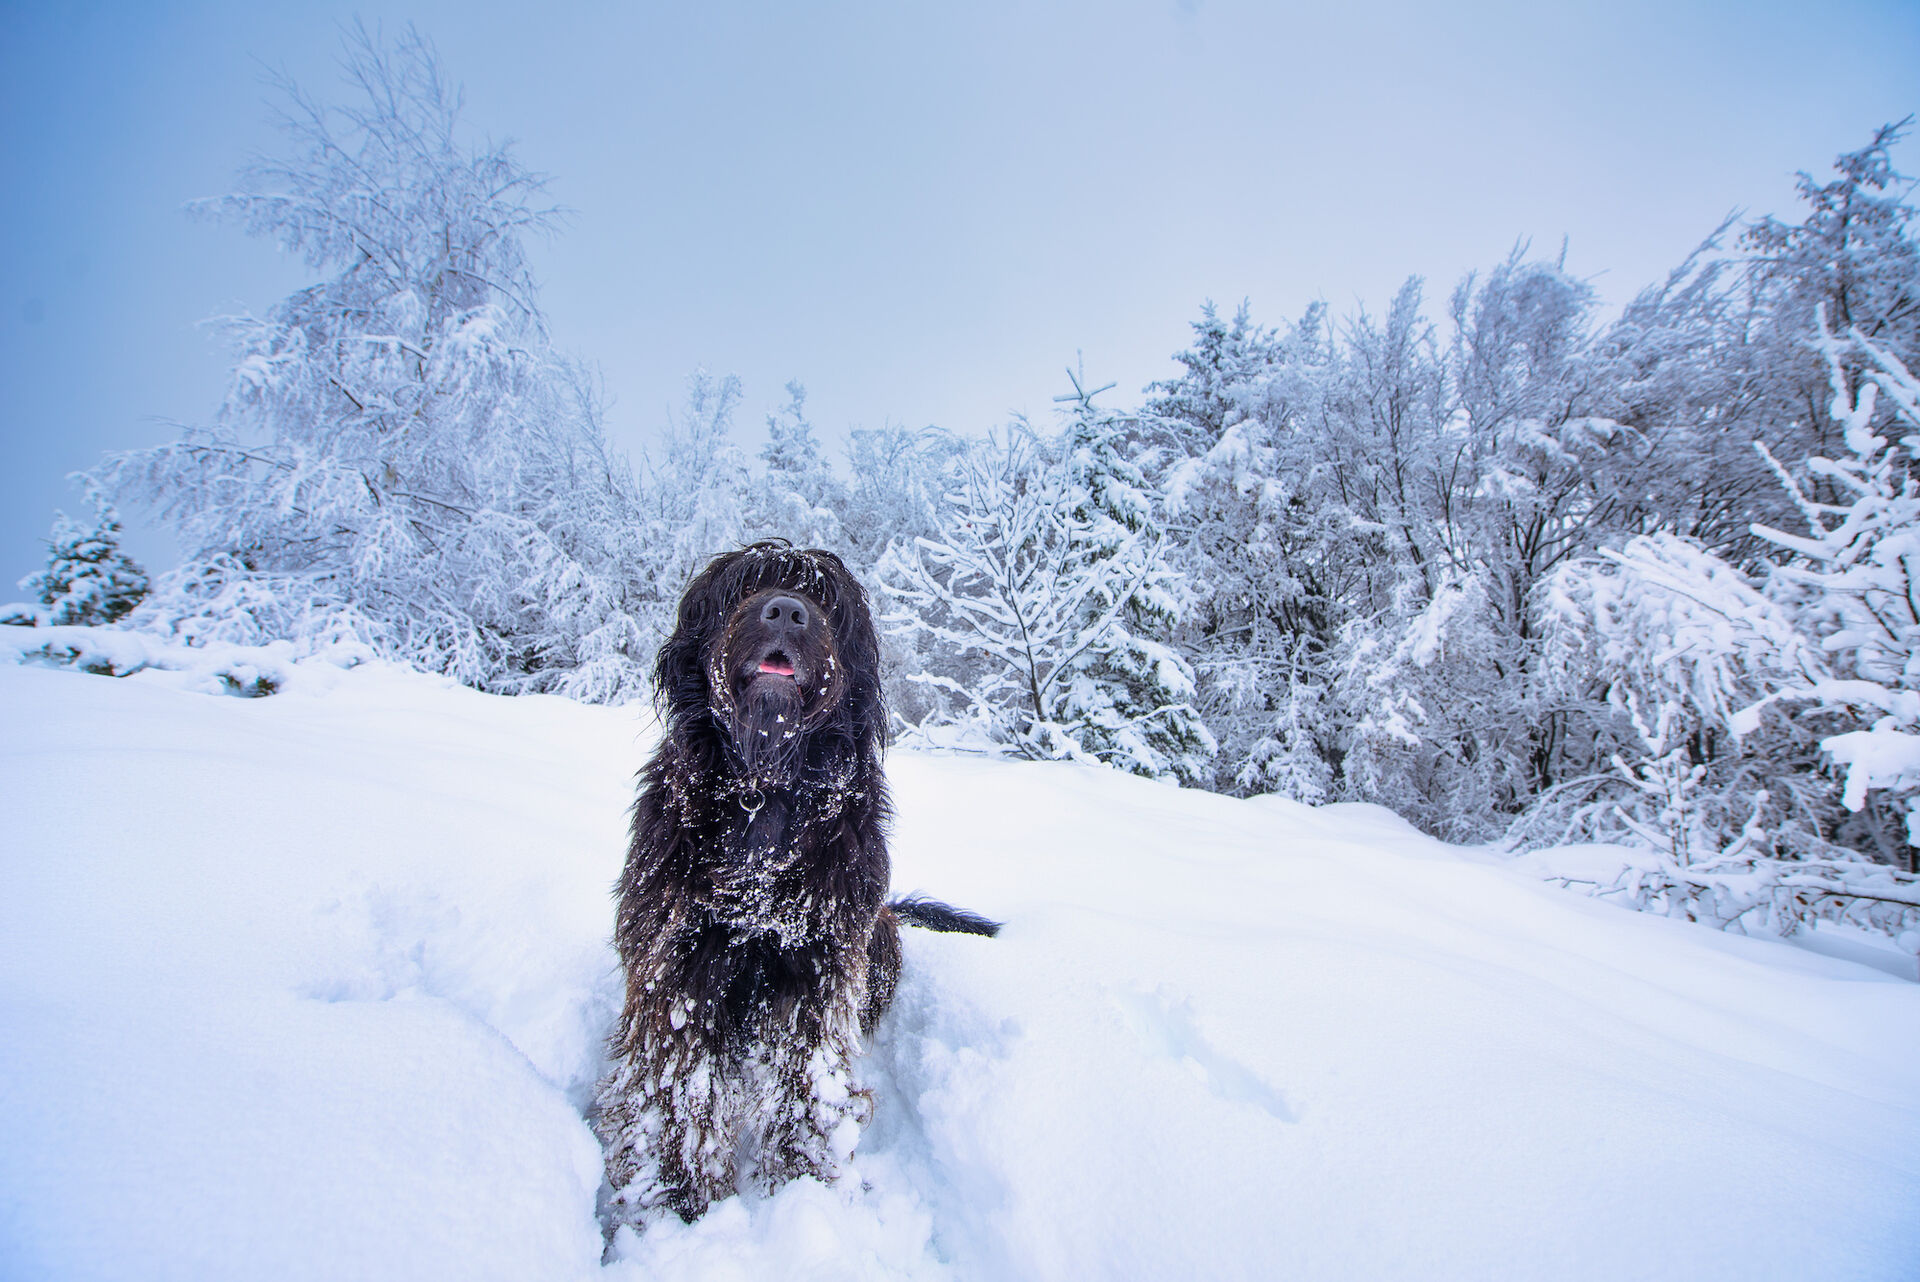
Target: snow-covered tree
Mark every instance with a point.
(1850, 259)
(1854, 576)
(1207, 398)
(1727, 693)
(799, 498)
(1660, 647)
(1016, 605)
(1134, 692)
(697, 490)
(1436, 710)
(88, 579)
(1256, 535)
(1387, 407)
(1726, 797)
(402, 455)
(897, 481)
(983, 600)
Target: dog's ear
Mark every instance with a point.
(679, 671)
(859, 645)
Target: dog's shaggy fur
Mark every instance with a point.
(752, 927)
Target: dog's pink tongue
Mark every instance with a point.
(778, 669)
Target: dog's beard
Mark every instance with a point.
(766, 731)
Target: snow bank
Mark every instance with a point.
(217, 667)
(312, 986)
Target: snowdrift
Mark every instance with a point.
(312, 986)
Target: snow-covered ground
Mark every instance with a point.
(311, 986)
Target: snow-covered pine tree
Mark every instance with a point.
(799, 498)
(1259, 540)
(1208, 397)
(1133, 692)
(402, 455)
(697, 496)
(88, 579)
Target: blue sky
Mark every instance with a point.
(922, 212)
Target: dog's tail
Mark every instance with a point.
(931, 914)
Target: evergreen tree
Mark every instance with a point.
(1256, 537)
(697, 495)
(799, 497)
(1134, 692)
(88, 579)
(1225, 359)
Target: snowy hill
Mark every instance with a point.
(311, 986)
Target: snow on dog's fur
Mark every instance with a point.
(752, 925)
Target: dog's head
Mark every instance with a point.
(774, 647)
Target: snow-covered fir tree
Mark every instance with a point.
(89, 579)
(1133, 692)
(1258, 546)
(697, 490)
(799, 498)
(1207, 397)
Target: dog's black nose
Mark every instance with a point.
(785, 613)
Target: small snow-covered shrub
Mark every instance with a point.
(1773, 896)
(88, 578)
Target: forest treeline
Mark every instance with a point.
(1493, 557)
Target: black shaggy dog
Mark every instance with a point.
(753, 928)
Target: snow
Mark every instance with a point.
(311, 986)
(1883, 757)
